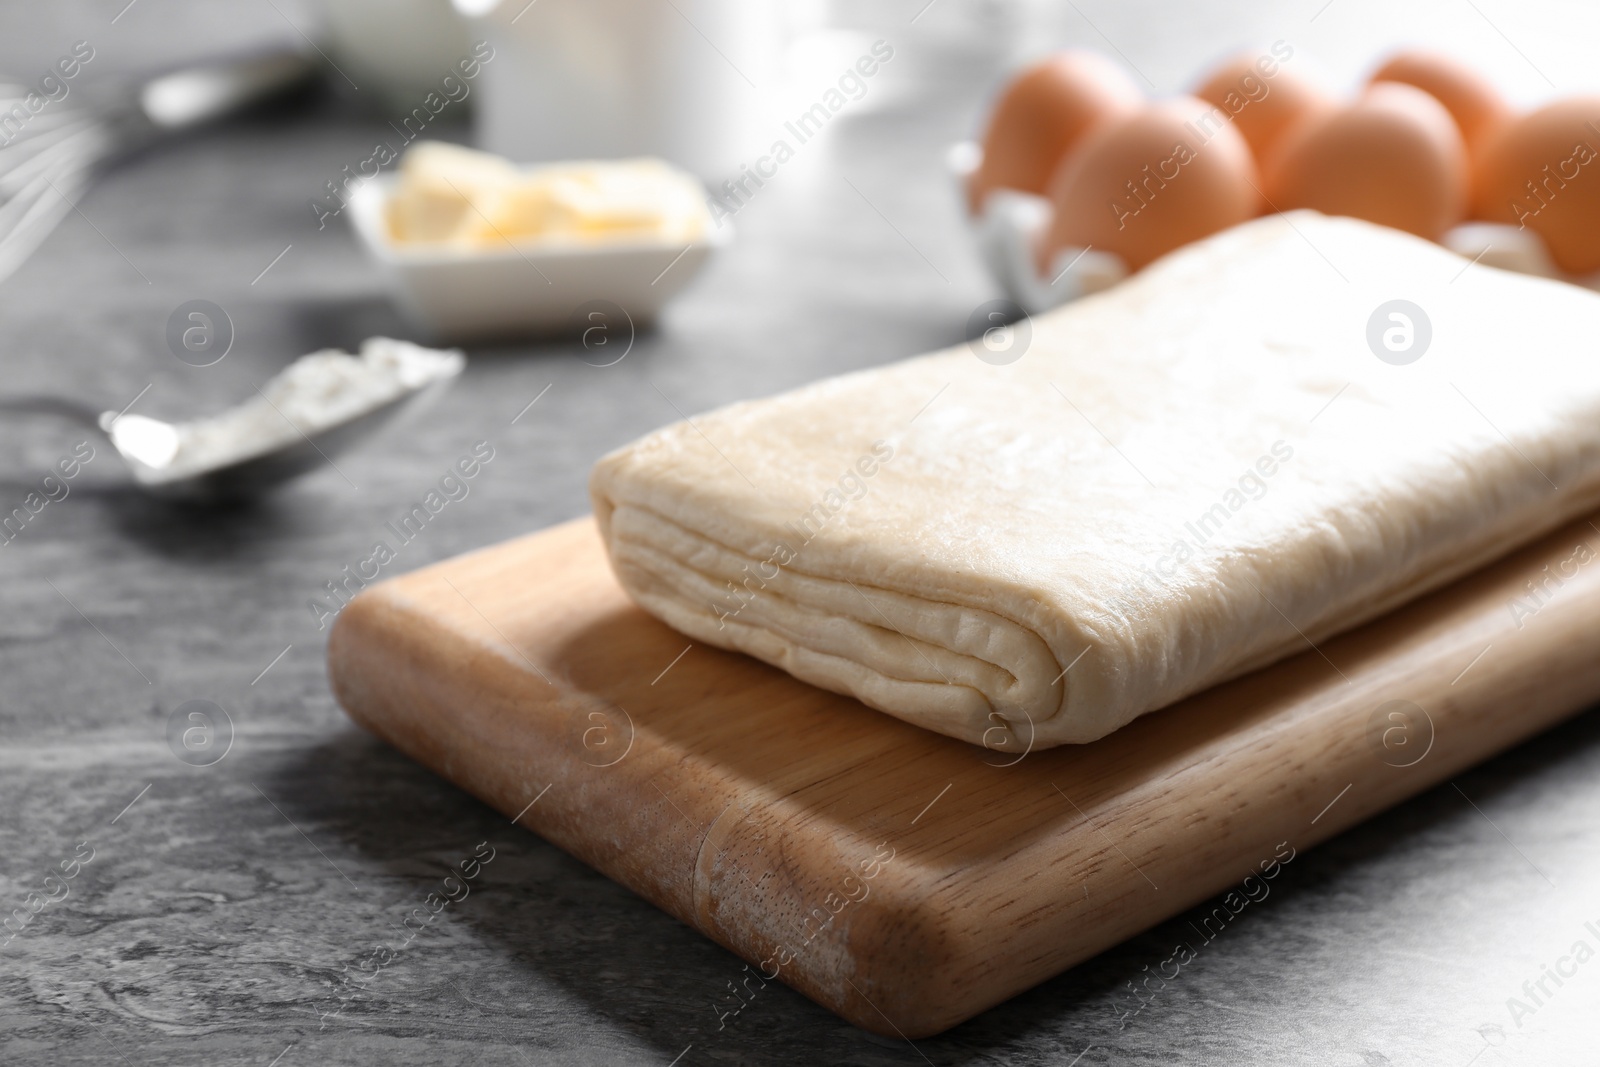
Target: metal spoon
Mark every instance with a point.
(149, 446)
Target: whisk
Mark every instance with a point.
(51, 158)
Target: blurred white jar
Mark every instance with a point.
(396, 50)
(689, 81)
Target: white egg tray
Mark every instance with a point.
(1011, 225)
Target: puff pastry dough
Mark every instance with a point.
(1184, 478)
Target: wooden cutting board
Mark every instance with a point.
(905, 880)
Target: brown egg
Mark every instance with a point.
(1044, 112)
(1542, 171)
(1265, 100)
(1394, 156)
(1149, 182)
(1471, 99)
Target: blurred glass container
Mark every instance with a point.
(397, 50)
(942, 47)
(689, 81)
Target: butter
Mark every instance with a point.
(457, 196)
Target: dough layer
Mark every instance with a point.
(1189, 476)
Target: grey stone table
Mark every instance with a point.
(230, 913)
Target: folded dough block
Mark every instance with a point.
(1184, 478)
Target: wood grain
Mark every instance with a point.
(903, 879)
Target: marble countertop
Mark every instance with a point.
(218, 913)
